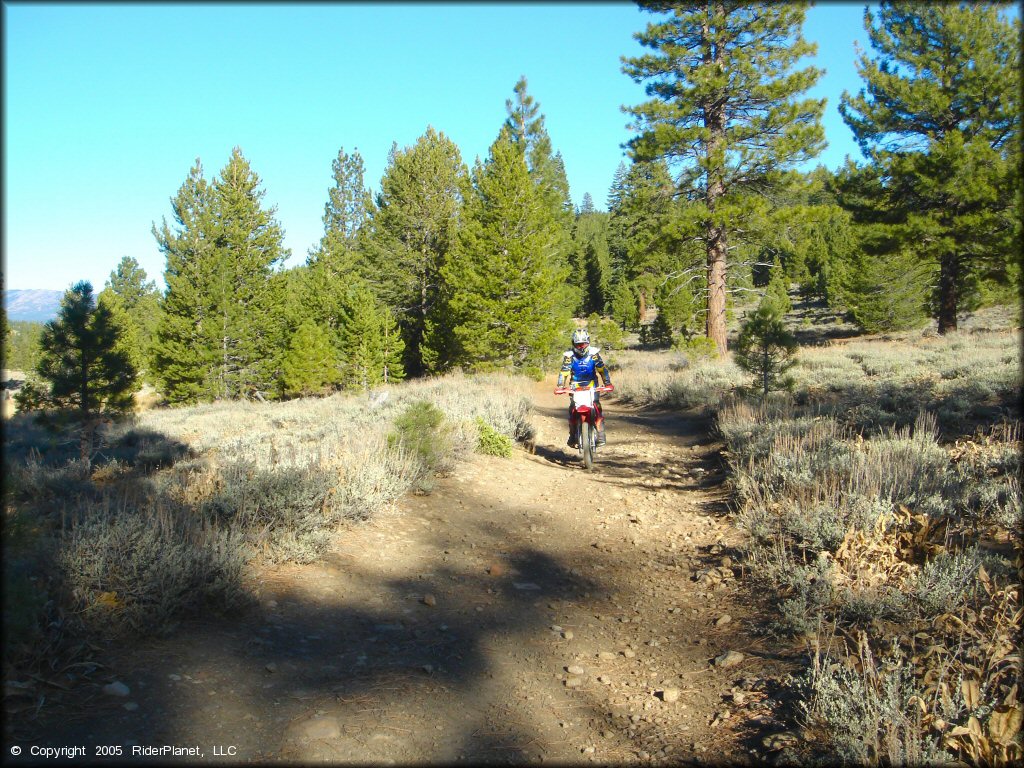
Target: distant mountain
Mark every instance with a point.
(32, 304)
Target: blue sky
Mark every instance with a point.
(107, 106)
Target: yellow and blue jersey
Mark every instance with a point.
(583, 370)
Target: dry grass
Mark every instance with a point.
(883, 505)
(179, 503)
(671, 379)
(883, 501)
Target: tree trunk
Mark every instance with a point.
(642, 304)
(716, 288)
(949, 284)
(714, 121)
(764, 372)
(86, 439)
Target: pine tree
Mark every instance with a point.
(221, 332)
(185, 349)
(616, 235)
(340, 256)
(525, 123)
(641, 211)
(590, 247)
(678, 309)
(415, 223)
(310, 365)
(940, 121)
(129, 338)
(766, 349)
(248, 300)
(347, 212)
(725, 105)
(370, 346)
(503, 280)
(86, 373)
(777, 294)
(137, 302)
(884, 286)
(587, 206)
(624, 306)
(392, 347)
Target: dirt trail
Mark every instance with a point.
(526, 610)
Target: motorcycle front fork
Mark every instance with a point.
(574, 423)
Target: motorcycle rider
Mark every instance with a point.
(581, 364)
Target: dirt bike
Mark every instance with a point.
(586, 419)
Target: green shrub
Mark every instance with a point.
(869, 716)
(610, 336)
(534, 372)
(810, 588)
(419, 430)
(696, 349)
(491, 442)
(946, 583)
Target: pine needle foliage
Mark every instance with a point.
(129, 291)
(726, 107)
(939, 120)
(221, 332)
(85, 371)
(504, 280)
(370, 345)
(415, 223)
(310, 365)
(766, 349)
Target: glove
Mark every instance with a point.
(611, 387)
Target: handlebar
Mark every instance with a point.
(605, 388)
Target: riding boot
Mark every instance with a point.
(572, 441)
(600, 434)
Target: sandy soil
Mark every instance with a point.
(525, 611)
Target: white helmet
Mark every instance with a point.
(580, 342)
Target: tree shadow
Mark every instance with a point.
(342, 678)
(26, 437)
(357, 668)
(874, 407)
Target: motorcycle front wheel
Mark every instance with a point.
(586, 444)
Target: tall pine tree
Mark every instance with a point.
(339, 257)
(726, 107)
(316, 290)
(221, 333)
(415, 224)
(310, 365)
(590, 248)
(939, 121)
(503, 280)
(641, 211)
(525, 124)
(185, 347)
(370, 346)
(247, 298)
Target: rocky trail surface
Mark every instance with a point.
(525, 611)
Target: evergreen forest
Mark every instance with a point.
(482, 268)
